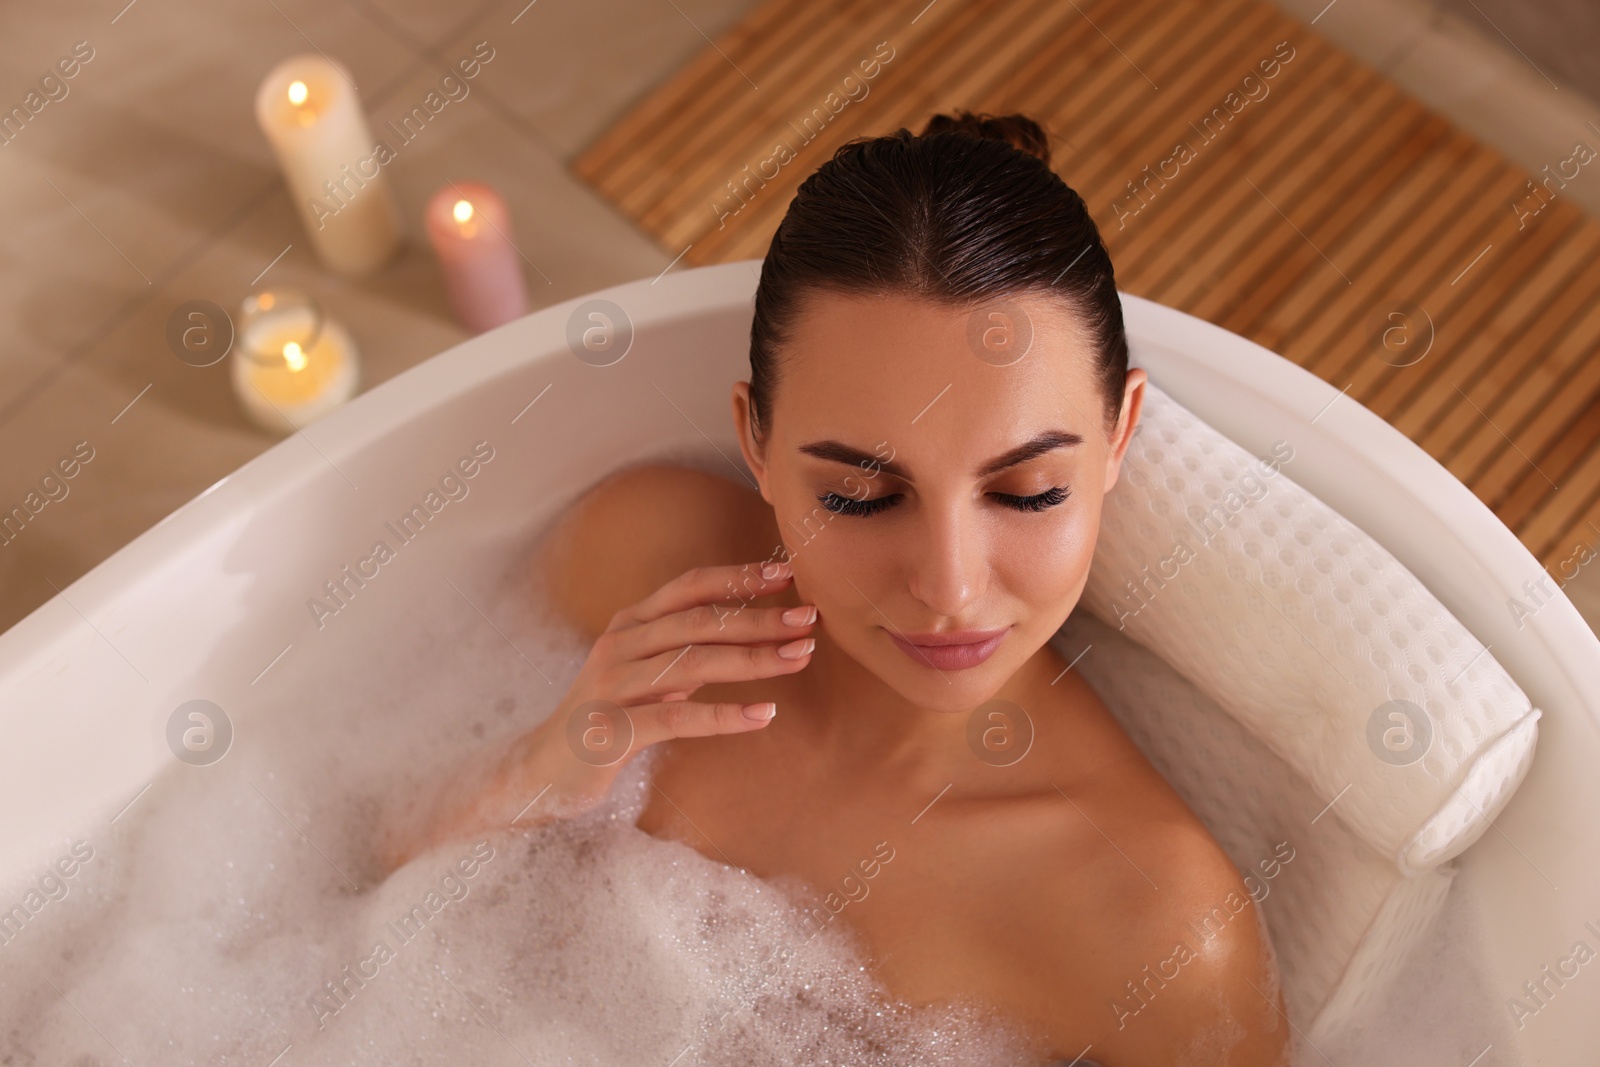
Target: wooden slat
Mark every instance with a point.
(1560, 510)
(1313, 198)
(746, 129)
(1414, 402)
(1113, 122)
(1201, 207)
(933, 87)
(1316, 210)
(1551, 393)
(697, 89)
(1430, 245)
(1192, 59)
(1365, 245)
(1423, 270)
(1570, 467)
(957, 47)
(1465, 442)
(1341, 182)
(1586, 532)
(1496, 306)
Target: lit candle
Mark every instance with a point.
(291, 362)
(470, 229)
(308, 108)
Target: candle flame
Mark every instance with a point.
(294, 356)
(462, 211)
(298, 93)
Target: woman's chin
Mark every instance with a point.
(954, 691)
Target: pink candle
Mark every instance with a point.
(470, 229)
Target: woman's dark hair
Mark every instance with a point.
(967, 212)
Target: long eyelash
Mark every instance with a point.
(1038, 502)
(844, 505)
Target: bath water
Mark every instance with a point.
(237, 913)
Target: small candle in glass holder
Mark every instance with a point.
(470, 230)
(291, 363)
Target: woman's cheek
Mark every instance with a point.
(1051, 559)
(826, 563)
(1075, 550)
(840, 566)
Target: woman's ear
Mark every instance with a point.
(1127, 423)
(753, 451)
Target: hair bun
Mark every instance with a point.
(1019, 131)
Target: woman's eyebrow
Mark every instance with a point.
(1048, 441)
(839, 452)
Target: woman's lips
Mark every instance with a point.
(953, 651)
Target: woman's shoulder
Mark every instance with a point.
(1146, 934)
(638, 528)
(1150, 946)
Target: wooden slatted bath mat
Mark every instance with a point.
(1309, 210)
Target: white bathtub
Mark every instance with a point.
(211, 602)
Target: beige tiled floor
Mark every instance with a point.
(1559, 37)
(149, 185)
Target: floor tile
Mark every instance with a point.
(144, 162)
(187, 431)
(1375, 31)
(573, 66)
(1560, 37)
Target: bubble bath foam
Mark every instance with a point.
(236, 913)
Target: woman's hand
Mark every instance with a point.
(634, 691)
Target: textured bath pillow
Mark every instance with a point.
(1342, 919)
(1312, 635)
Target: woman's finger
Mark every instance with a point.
(737, 582)
(653, 723)
(692, 666)
(707, 624)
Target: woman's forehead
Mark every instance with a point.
(895, 360)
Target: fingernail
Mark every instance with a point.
(801, 616)
(797, 649)
(771, 569)
(760, 712)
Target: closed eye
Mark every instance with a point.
(1038, 502)
(844, 505)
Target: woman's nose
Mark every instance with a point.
(948, 561)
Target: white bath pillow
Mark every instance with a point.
(1342, 919)
(1312, 635)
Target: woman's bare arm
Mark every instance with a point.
(637, 529)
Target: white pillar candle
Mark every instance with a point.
(291, 363)
(308, 108)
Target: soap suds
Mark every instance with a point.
(237, 913)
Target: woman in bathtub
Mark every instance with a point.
(939, 397)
